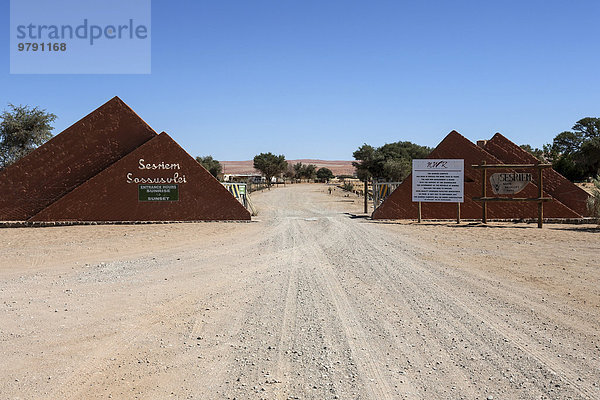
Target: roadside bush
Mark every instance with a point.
(348, 187)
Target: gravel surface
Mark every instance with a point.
(309, 301)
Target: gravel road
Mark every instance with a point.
(308, 301)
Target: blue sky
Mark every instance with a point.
(316, 79)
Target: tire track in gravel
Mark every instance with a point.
(479, 279)
(418, 352)
(428, 286)
(121, 343)
(374, 380)
(455, 305)
(398, 302)
(288, 324)
(345, 302)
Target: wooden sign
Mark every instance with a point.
(509, 183)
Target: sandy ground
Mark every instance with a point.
(306, 302)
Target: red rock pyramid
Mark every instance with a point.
(555, 184)
(114, 194)
(399, 204)
(70, 158)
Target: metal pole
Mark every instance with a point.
(375, 194)
(419, 218)
(484, 192)
(458, 213)
(540, 194)
(366, 195)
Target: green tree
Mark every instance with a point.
(308, 171)
(324, 174)
(211, 165)
(392, 161)
(567, 142)
(365, 164)
(22, 130)
(537, 153)
(576, 153)
(588, 157)
(298, 170)
(270, 165)
(565, 165)
(289, 172)
(397, 169)
(588, 127)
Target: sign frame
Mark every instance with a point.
(438, 180)
(484, 166)
(168, 197)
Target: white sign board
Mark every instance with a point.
(435, 180)
(509, 183)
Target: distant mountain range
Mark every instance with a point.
(338, 167)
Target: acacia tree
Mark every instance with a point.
(289, 172)
(298, 170)
(270, 165)
(324, 174)
(366, 160)
(213, 166)
(22, 130)
(396, 169)
(576, 154)
(392, 161)
(308, 171)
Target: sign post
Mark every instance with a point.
(438, 181)
(512, 183)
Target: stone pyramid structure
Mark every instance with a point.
(120, 192)
(70, 158)
(399, 204)
(555, 184)
(111, 166)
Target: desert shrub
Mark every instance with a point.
(348, 187)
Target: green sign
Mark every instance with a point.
(158, 192)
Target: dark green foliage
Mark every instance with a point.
(366, 154)
(348, 187)
(576, 154)
(23, 129)
(396, 169)
(297, 169)
(308, 171)
(588, 157)
(270, 165)
(391, 162)
(304, 171)
(324, 174)
(211, 165)
(537, 153)
(289, 172)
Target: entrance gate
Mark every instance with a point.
(381, 191)
(238, 190)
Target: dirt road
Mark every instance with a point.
(306, 302)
